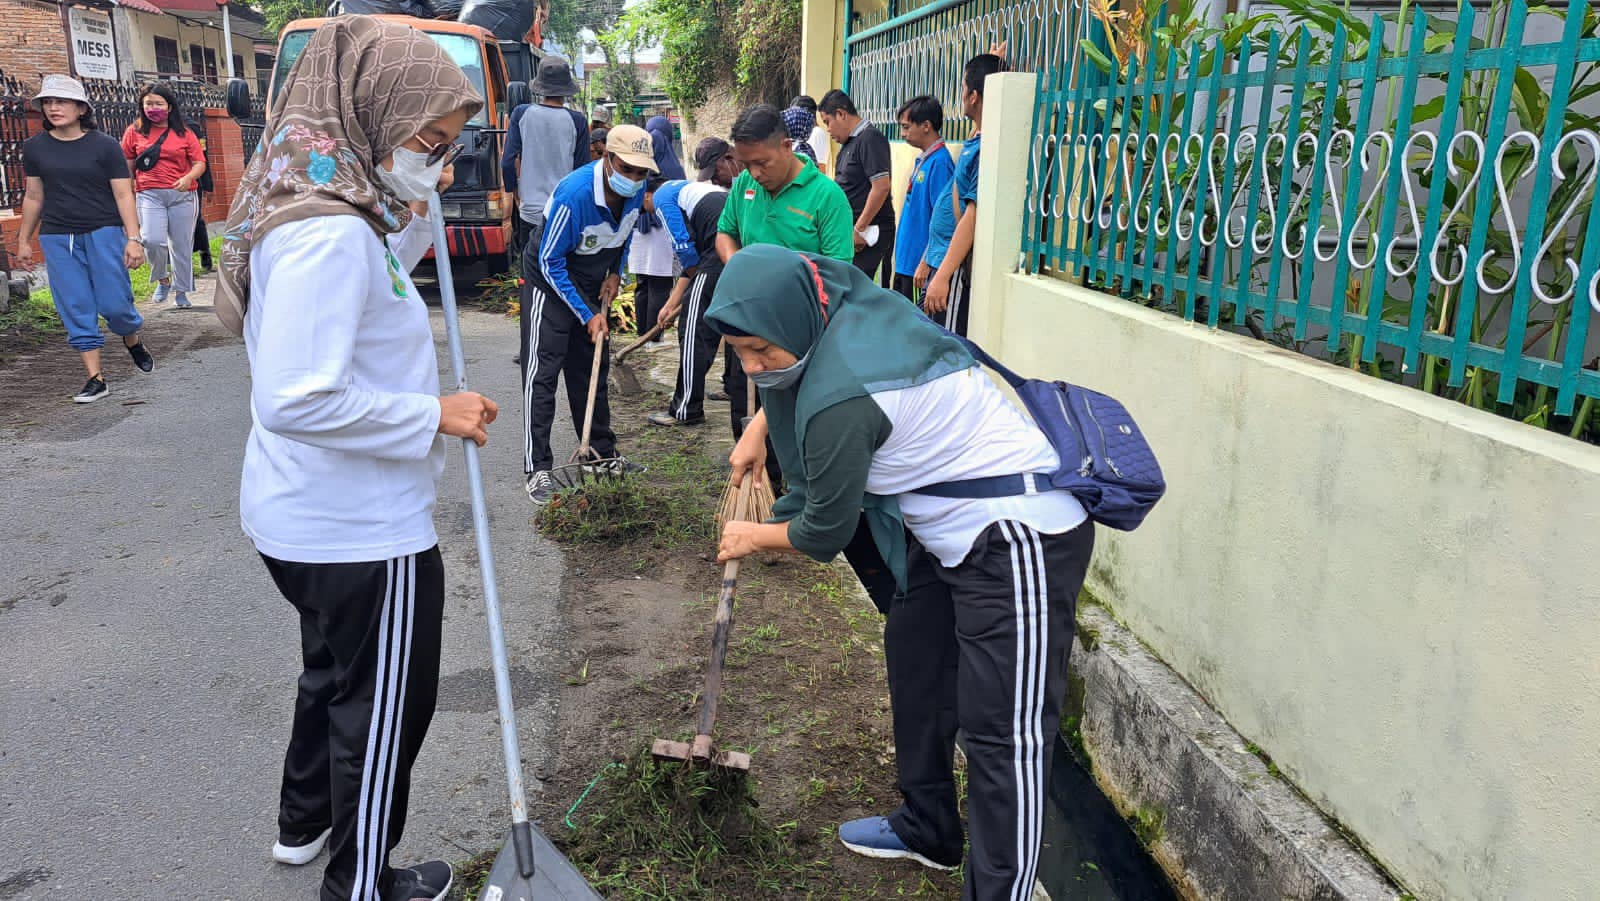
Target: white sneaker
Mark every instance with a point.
(299, 850)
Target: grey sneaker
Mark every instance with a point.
(541, 488)
(94, 389)
(622, 466)
(183, 301)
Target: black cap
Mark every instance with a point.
(708, 153)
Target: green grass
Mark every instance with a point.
(38, 313)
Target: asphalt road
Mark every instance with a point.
(147, 664)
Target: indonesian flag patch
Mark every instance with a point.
(750, 194)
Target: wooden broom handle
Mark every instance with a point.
(594, 387)
(659, 327)
(719, 651)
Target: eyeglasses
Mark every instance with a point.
(634, 172)
(443, 152)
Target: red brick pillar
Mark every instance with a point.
(225, 147)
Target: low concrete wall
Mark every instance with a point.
(1392, 594)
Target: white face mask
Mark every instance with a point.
(412, 179)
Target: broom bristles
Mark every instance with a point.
(749, 501)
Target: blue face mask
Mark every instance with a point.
(623, 185)
(779, 379)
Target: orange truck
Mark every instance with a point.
(477, 209)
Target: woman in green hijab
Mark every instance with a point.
(867, 401)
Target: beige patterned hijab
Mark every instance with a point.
(361, 88)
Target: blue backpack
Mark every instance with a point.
(1105, 461)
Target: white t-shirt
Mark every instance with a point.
(344, 397)
(968, 429)
(651, 254)
(819, 143)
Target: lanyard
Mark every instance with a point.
(920, 160)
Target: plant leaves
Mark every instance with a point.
(1426, 112)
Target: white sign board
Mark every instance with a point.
(93, 53)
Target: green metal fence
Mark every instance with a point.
(903, 48)
(1409, 195)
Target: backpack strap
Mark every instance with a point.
(983, 357)
(992, 486)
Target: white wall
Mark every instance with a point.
(1394, 595)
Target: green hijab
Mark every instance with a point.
(861, 339)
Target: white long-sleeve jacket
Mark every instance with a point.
(343, 451)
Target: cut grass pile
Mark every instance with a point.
(669, 830)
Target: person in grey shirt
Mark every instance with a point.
(544, 142)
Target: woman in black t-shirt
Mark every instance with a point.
(80, 204)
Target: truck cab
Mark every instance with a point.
(477, 208)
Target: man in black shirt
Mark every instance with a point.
(863, 168)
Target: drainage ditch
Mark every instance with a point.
(1090, 853)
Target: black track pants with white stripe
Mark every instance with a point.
(369, 639)
(983, 647)
(954, 315)
(560, 350)
(697, 350)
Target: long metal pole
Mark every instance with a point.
(521, 832)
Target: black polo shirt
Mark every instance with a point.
(863, 159)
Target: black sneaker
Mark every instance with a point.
(300, 848)
(541, 487)
(141, 357)
(94, 389)
(424, 882)
(717, 395)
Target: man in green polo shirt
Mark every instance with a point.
(781, 198)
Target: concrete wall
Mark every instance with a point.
(1392, 594)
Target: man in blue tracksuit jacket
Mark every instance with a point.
(691, 211)
(587, 224)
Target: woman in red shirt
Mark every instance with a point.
(165, 177)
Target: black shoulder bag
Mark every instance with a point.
(146, 161)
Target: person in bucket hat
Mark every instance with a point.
(588, 224)
(554, 78)
(80, 205)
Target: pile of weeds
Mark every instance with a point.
(671, 830)
(669, 507)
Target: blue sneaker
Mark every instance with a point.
(183, 301)
(162, 291)
(874, 837)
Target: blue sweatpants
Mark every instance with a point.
(87, 281)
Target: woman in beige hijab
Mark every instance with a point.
(337, 492)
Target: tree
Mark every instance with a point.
(570, 18)
(279, 13)
(704, 42)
